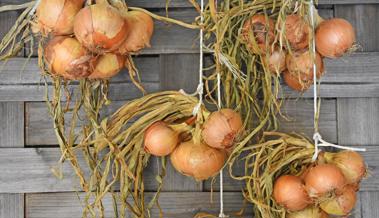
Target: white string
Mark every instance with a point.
(317, 137)
(34, 8)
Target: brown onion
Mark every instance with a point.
(297, 82)
(262, 29)
(297, 32)
(160, 139)
(342, 203)
(221, 128)
(198, 160)
(323, 179)
(276, 61)
(334, 37)
(100, 28)
(351, 164)
(141, 30)
(67, 58)
(107, 66)
(309, 212)
(289, 192)
(57, 16)
(301, 63)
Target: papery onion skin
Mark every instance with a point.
(57, 16)
(297, 32)
(351, 164)
(222, 128)
(341, 204)
(107, 66)
(141, 30)
(289, 192)
(309, 212)
(198, 160)
(297, 82)
(100, 28)
(67, 58)
(263, 31)
(276, 61)
(301, 63)
(334, 37)
(160, 139)
(324, 179)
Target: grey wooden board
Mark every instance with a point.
(370, 204)
(11, 205)
(174, 205)
(12, 124)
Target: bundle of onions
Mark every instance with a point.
(276, 61)
(342, 203)
(198, 160)
(301, 63)
(141, 27)
(221, 128)
(323, 179)
(101, 28)
(57, 16)
(66, 57)
(309, 212)
(298, 83)
(297, 32)
(107, 66)
(160, 139)
(334, 37)
(350, 163)
(289, 192)
(260, 29)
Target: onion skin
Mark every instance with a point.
(221, 128)
(67, 58)
(160, 139)
(107, 66)
(276, 61)
(309, 212)
(198, 160)
(296, 83)
(262, 29)
(289, 192)
(351, 164)
(324, 179)
(141, 30)
(301, 63)
(334, 37)
(57, 16)
(341, 204)
(297, 32)
(100, 28)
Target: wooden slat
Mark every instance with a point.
(11, 205)
(370, 207)
(12, 124)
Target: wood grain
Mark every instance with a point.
(11, 205)
(12, 124)
(370, 207)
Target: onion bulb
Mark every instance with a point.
(301, 63)
(107, 66)
(141, 29)
(309, 212)
(334, 37)
(297, 32)
(221, 128)
(289, 192)
(262, 29)
(276, 61)
(342, 203)
(351, 164)
(160, 139)
(323, 179)
(197, 160)
(67, 58)
(100, 28)
(57, 16)
(297, 82)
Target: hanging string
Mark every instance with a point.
(34, 8)
(319, 142)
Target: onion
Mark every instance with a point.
(323, 179)
(301, 63)
(67, 58)
(334, 37)
(107, 66)
(221, 128)
(297, 82)
(198, 160)
(341, 204)
(100, 28)
(160, 139)
(309, 212)
(276, 61)
(289, 192)
(262, 29)
(141, 29)
(57, 16)
(297, 32)
(351, 164)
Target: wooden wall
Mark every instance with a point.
(28, 151)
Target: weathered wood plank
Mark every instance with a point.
(174, 205)
(11, 205)
(12, 124)
(370, 204)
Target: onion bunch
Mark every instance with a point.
(258, 33)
